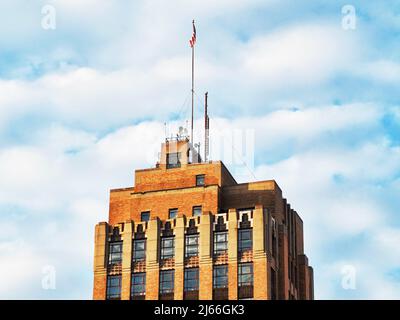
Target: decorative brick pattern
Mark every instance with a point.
(221, 259)
(166, 264)
(139, 266)
(192, 262)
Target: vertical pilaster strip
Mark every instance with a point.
(260, 263)
(311, 282)
(152, 266)
(205, 258)
(126, 261)
(233, 254)
(100, 261)
(179, 257)
(283, 285)
(304, 282)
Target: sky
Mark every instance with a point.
(86, 87)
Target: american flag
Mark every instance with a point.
(192, 40)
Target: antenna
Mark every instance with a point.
(197, 145)
(192, 43)
(206, 129)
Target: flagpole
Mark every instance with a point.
(191, 135)
(205, 126)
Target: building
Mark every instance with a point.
(188, 230)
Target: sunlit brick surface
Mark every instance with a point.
(280, 268)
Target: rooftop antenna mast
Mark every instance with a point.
(207, 129)
(192, 42)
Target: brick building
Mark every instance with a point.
(188, 230)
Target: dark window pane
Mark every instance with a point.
(191, 281)
(193, 239)
(220, 242)
(220, 276)
(115, 252)
(138, 284)
(166, 281)
(168, 242)
(220, 237)
(139, 250)
(200, 180)
(245, 274)
(168, 251)
(167, 247)
(197, 211)
(245, 239)
(191, 245)
(113, 287)
(173, 160)
(139, 245)
(173, 213)
(145, 216)
(191, 250)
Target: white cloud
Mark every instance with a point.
(307, 125)
(387, 241)
(302, 55)
(385, 71)
(74, 186)
(21, 266)
(114, 62)
(298, 56)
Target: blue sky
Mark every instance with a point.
(78, 103)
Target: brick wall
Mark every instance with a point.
(159, 189)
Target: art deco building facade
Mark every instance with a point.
(190, 231)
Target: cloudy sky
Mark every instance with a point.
(84, 104)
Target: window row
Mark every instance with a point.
(167, 246)
(167, 249)
(220, 243)
(190, 284)
(172, 213)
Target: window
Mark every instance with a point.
(145, 216)
(245, 274)
(273, 225)
(197, 210)
(115, 253)
(200, 180)
(220, 242)
(173, 213)
(191, 282)
(173, 160)
(220, 277)
(138, 287)
(166, 281)
(274, 239)
(139, 250)
(167, 247)
(191, 245)
(274, 246)
(113, 287)
(245, 240)
(245, 281)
